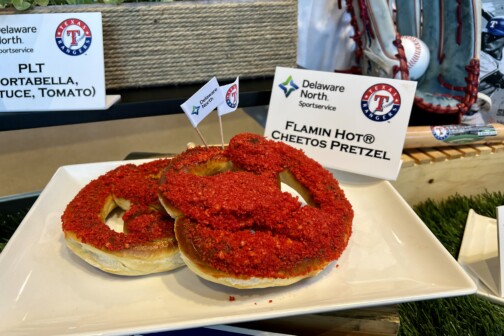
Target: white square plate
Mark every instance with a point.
(479, 255)
(392, 257)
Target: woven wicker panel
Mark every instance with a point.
(148, 44)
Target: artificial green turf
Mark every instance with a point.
(465, 315)
(9, 221)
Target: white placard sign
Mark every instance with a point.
(51, 62)
(500, 242)
(347, 122)
(482, 251)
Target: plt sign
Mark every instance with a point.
(347, 122)
(51, 62)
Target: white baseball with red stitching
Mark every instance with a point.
(417, 55)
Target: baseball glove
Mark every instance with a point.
(451, 29)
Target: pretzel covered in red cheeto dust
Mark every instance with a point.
(236, 227)
(147, 244)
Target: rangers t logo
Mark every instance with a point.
(232, 96)
(440, 132)
(73, 37)
(380, 102)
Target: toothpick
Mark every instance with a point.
(221, 132)
(201, 136)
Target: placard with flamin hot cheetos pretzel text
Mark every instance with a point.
(347, 122)
(51, 62)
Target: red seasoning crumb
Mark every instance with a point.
(239, 228)
(241, 223)
(143, 221)
(231, 298)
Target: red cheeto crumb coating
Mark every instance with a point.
(195, 157)
(249, 152)
(229, 201)
(238, 220)
(145, 221)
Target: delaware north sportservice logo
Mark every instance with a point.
(73, 37)
(380, 102)
(195, 110)
(288, 86)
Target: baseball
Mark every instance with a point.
(417, 55)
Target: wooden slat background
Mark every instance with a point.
(436, 173)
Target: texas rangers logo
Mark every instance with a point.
(73, 37)
(380, 102)
(440, 132)
(232, 96)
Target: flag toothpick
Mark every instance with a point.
(230, 95)
(205, 100)
(221, 132)
(201, 136)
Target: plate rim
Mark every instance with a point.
(462, 290)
